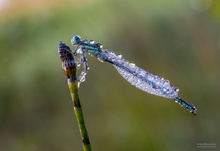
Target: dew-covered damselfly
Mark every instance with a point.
(136, 76)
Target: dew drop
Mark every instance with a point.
(83, 79)
(176, 89)
(154, 86)
(100, 60)
(100, 45)
(120, 56)
(91, 41)
(85, 40)
(166, 82)
(151, 78)
(164, 90)
(132, 64)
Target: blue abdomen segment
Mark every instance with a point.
(188, 106)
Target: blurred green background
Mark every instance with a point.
(179, 40)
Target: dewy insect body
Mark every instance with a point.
(133, 74)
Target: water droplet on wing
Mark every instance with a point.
(100, 60)
(91, 41)
(176, 89)
(120, 56)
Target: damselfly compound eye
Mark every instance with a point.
(75, 40)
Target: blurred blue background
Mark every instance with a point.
(179, 40)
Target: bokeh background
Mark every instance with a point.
(179, 40)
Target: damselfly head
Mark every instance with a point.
(75, 40)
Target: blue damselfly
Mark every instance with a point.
(133, 74)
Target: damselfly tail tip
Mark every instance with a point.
(188, 106)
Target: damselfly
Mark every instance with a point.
(133, 74)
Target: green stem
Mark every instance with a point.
(73, 87)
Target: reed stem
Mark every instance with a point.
(69, 68)
(73, 87)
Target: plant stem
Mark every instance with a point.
(69, 68)
(73, 87)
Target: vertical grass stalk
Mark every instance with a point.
(73, 87)
(69, 68)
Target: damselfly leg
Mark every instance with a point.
(83, 60)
